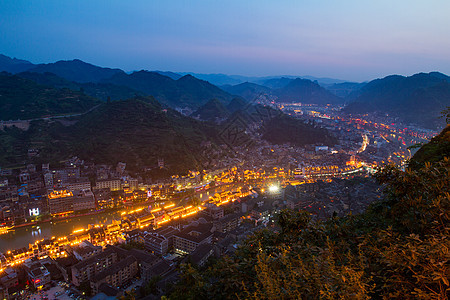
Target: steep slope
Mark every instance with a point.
(76, 70)
(306, 91)
(435, 150)
(246, 90)
(24, 99)
(13, 65)
(416, 99)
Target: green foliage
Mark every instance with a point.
(211, 110)
(150, 286)
(435, 150)
(24, 99)
(101, 91)
(136, 131)
(133, 245)
(398, 248)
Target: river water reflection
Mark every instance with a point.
(22, 237)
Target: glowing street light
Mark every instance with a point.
(273, 188)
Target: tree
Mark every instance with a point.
(150, 286)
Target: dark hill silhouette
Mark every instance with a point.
(76, 70)
(187, 91)
(246, 90)
(236, 104)
(14, 65)
(306, 91)
(415, 99)
(276, 83)
(213, 110)
(24, 99)
(101, 91)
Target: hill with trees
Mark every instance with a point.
(306, 91)
(213, 110)
(76, 70)
(247, 90)
(187, 91)
(415, 99)
(14, 65)
(102, 91)
(136, 131)
(24, 99)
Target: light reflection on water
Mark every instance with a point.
(22, 237)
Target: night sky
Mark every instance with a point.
(353, 40)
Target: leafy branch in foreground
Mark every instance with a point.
(398, 248)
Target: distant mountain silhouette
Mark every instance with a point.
(246, 90)
(174, 76)
(343, 90)
(13, 65)
(216, 79)
(187, 91)
(24, 99)
(276, 83)
(415, 99)
(76, 70)
(101, 91)
(306, 91)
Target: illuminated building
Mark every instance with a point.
(111, 184)
(60, 201)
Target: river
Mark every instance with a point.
(23, 236)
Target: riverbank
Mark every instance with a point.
(92, 213)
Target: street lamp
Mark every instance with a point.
(273, 188)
